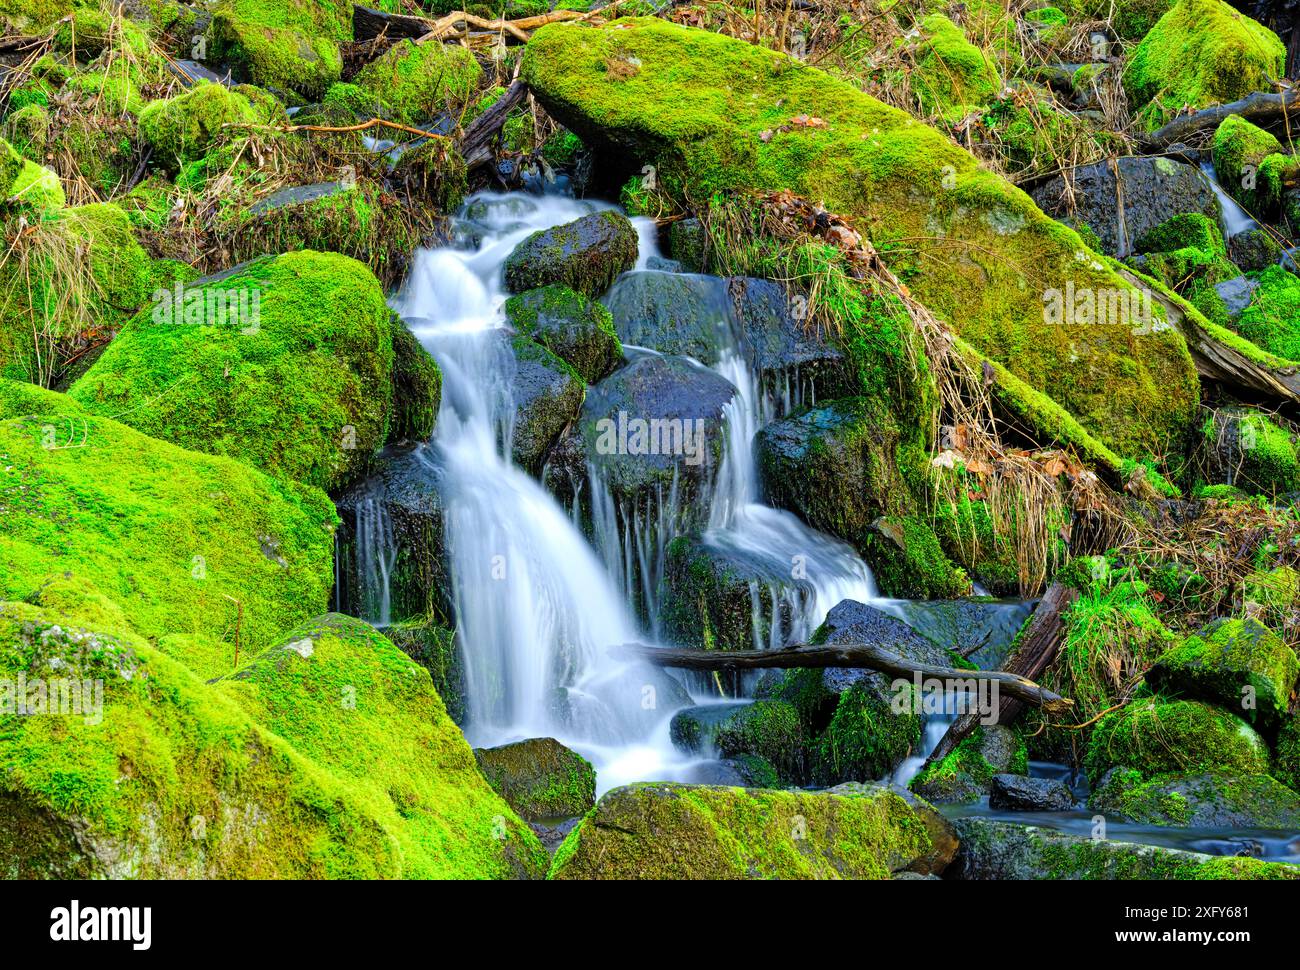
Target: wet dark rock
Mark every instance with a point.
(672, 313)
(656, 422)
(1254, 249)
(963, 625)
(787, 356)
(297, 195)
(1153, 190)
(992, 849)
(1212, 800)
(586, 255)
(1021, 794)
(693, 729)
(569, 325)
(539, 778)
(553, 836)
(966, 775)
(398, 508)
(687, 243)
(547, 394)
(1236, 294)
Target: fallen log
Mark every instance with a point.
(475, 144)
(1260, 108)
(1218, 360)
(1035, 651)
(458, 22)
(368, 23)
(865, 655)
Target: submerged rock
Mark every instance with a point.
(670, 831)
(1021, 794)
(540, 778)
(586, 255)
(1004, 850)
(1211, 800)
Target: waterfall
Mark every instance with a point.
(376, 554)
(1234, 219)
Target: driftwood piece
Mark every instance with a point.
(1218, 361)
(459, 22)
(1035, 652)
(1260, 108)
(862, 655)
(476, 143)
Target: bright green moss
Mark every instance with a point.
(1202, 52)
(1272, 320)
(952, 77)
(1265, 460)
(866, 737)
(540, 778)
(770, 730)
(572, 326)
(178, 540)
(287, 365)
(32, 16)
(349, 700)
(1190, 231)
(1155, 737)
(183, 128)
(1238, 664)
(1286, 754)
(964, 775)
(1130, 19)
(713, 113)
(285, 45)
(417, 81)
(667, 831)
(1239, 149)
(37, 188)
(28, 129)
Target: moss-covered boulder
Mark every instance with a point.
(667, 831)
(282, 45)
(1201, 52)
(585, 255)
(1209, 801)
(967, 773)
(346, 698)
(193, 551)
(837, 467)
(434, 648)
(1156, 737)
(1271, 320)
(1005, 850)
(540, 778)
(713, 113)
(286, 363)
(1286, 753)
(416, 82)
(692, 729)
(952, 76)
(547, 393)
(1243, 448)
(1130, 19)
(183, 128)
(32, 16)
(1239, 149)
(569, 325)
(1239, 664)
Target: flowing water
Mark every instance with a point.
(1234, 219)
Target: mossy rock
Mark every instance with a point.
(586, 255)
(1157, 737)
(952, 76)
(713, 113)
(540, 778)
(1248, 451)
(1209, 801)
(1130, 19)
(569, 325)
(282, 45)
(1272, 320)
(183, 544)
(434, 648)
(1191, 230)
(183, 128)
(349, 700)
(669, 831)
(434, 172)
(285, 363)
(32, 16)
(693, 729)
(1239, 664)
(547, 394)
(770, 730)
(991, 849)
(966, 774)
(416, 82)
(839, 467)
(1239, 149)
(1286, 753)
(1200, 53)
(37, 189)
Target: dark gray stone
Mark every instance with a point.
(1021, 794)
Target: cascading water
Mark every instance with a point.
(1235, 220)
(536, 610)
